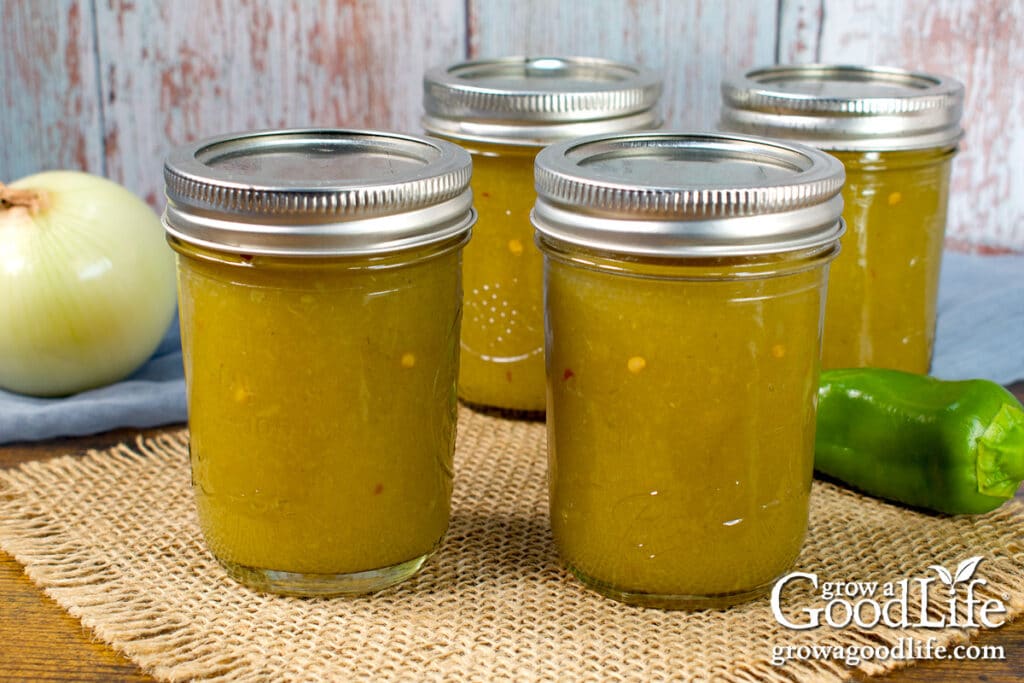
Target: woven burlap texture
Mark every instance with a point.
(112, 537)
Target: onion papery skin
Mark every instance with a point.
(87, 285)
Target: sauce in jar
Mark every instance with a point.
(685, 281)
(896, 133)
(319, 286)
(503, 111)
(896, 222)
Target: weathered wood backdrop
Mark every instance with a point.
(109, 86)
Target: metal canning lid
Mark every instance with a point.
(687, 195)
(538, 100)
(317, 192)
(840, 108)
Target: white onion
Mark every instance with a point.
(87, 286)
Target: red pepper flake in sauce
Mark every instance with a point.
(568, 374)
(378, 489)
(508, 375)
(246, 257)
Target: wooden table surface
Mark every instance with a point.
(40, 641)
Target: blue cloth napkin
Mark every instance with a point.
(980, 334)
(153, 395)
(980, 329)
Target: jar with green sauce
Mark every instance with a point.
(319, 292)
(896, 133)
(685, 282)
(503, 111)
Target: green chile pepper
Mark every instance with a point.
(954, 447)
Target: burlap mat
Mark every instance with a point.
(112, 537)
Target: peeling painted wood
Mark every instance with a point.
(49, 113)
(799, 39)
(694, 43)
(115, 97)
(979, 43)
(174, 72)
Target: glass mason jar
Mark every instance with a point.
(896, 133)
(503, 111)
(319, 286)
(685, 280)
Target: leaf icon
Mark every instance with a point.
(967, 568)
(943, 573)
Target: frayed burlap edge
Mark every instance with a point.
(111, 537)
